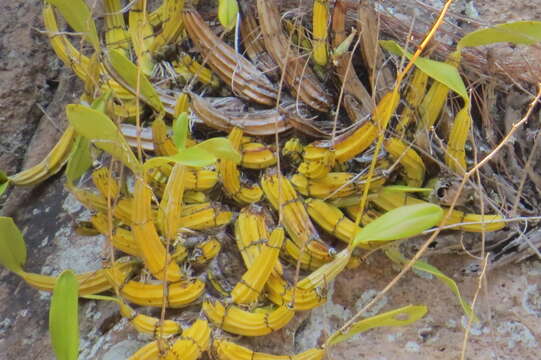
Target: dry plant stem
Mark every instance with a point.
(138, 94)
(429, 241)
(349, 67)
(482, 278)
(399, 79)
(510, 220)
(110, 224)
(480, 194)
(527, 169)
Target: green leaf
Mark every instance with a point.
(451, 284)
(440, 71)
(103, 133)
(398, 317)
(227, 13)
(400, 223)
(221, 148)
(344, 45)
(4, 182)
(190, 157)
(128, 72)
(203, 154)
(100, 103)
(12, 246)
(397, 257)
(78, 16)
(80, 159)
(64, 317)
(520, 32)
(180, 130)
(403, 188)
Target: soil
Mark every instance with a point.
(36, 87)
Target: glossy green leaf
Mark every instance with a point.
(189, 157)
(4, 182)
(203, 154)
(128, 72)
(221, 148)
(400, 223)
(78, 16)
(103, 133)
(398, 317)
(520, 32)
(397, 257)
(181, 127)
(440, 71)
(79, 160)
(64, 317)
(404, 188)
(227, 13)
(12, 246)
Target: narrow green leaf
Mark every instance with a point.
(221, 148)
(64, 317)
(190, 157)
(451, 284)
(442, 72)
(397, 257)
(12, 246)
(520, 32)
(398, 317)
(100, 103)
(128, 72)
(103, 133)
(79, 160)
(78, 16)
(403, 188)
(227, 13)
(4, 182)
(180, 130)
(400, 223)
(203, 154)
(344, 45)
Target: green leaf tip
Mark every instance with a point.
(227, 13)
(203, 154)
(78, 16)
(4, 182)
(181, 127)
(12, 245)
(64, 318)
(396, 256)
(439, 71)
(130, 74)
(400, 223)
(519, 32)
(398, 317)
(103, 133)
